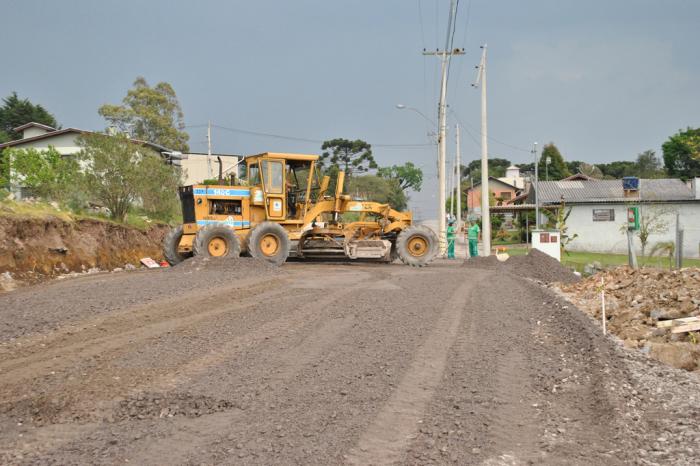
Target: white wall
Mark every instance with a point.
(606, 237)
(65, 144)
(195, 167)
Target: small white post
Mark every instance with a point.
(602, 301)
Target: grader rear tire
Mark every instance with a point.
(170, 244)
(270, 242)
(417, 246)
(216, 241)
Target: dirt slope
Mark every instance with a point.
(33, 248)
(238, 363)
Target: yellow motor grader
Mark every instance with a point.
(283, 208)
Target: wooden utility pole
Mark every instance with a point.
(209, 171)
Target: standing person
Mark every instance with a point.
(474, 236)
(451, 237)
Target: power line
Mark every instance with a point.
(298, 139)
(467, 127)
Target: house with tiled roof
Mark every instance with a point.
(599, 210)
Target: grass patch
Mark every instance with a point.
(39, 209)
(578, 260)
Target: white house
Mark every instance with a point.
(41, 137)
(599, 210)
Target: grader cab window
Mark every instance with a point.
(224, 207)
(253, 174)
(273, 173)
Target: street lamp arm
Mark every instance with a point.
(404, 107)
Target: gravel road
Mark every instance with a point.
(235, 362)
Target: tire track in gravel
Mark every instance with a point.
(384, 441)
(163, 318)
(290, 319)
(195, 434)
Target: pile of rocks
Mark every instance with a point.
(636, 300)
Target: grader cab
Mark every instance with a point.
(283, 208)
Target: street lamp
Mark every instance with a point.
(547, 161)
(404, 107)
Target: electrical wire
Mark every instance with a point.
(308, 140)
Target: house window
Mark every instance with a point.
(603, 215)
(506, 195)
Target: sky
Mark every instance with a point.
(602, 79)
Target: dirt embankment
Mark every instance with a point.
(36, 248)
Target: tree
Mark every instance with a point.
(682, 154)
(408, 175)
(651, 222)
(349, 156)
(590, 170)
(46, 173)
(150, 114)
(648, 165)
(16, 112)
(120, 173)
(376, 188)
(557, 169)
(618, 169)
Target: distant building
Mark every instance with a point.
(513, 177)
(197, 169)
(503, 193)
(599, 210)
(194, 165)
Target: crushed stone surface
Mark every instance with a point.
(215, 363)
(535, 265)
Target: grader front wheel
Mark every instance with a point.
(417, 246)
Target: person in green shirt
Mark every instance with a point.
(473, 235)
(451, 237)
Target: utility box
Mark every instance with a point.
(547, 241)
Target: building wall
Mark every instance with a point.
(607, 237)
(64, 143)
(195, 167)
(474, 195)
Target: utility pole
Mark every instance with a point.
(445, 56)
(209, 172)
(536, 185)
(452, 189)
(485, 198)
(459, 180)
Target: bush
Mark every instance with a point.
(46, 173)
(120, 174)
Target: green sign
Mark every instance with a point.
(633, 218)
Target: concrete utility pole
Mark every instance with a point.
(452, 188)
(485, 198)
(445, 57)
(459, 180)
(535, 183)
(209, 172)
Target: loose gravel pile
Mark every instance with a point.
(636, 300)
(535, 265)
